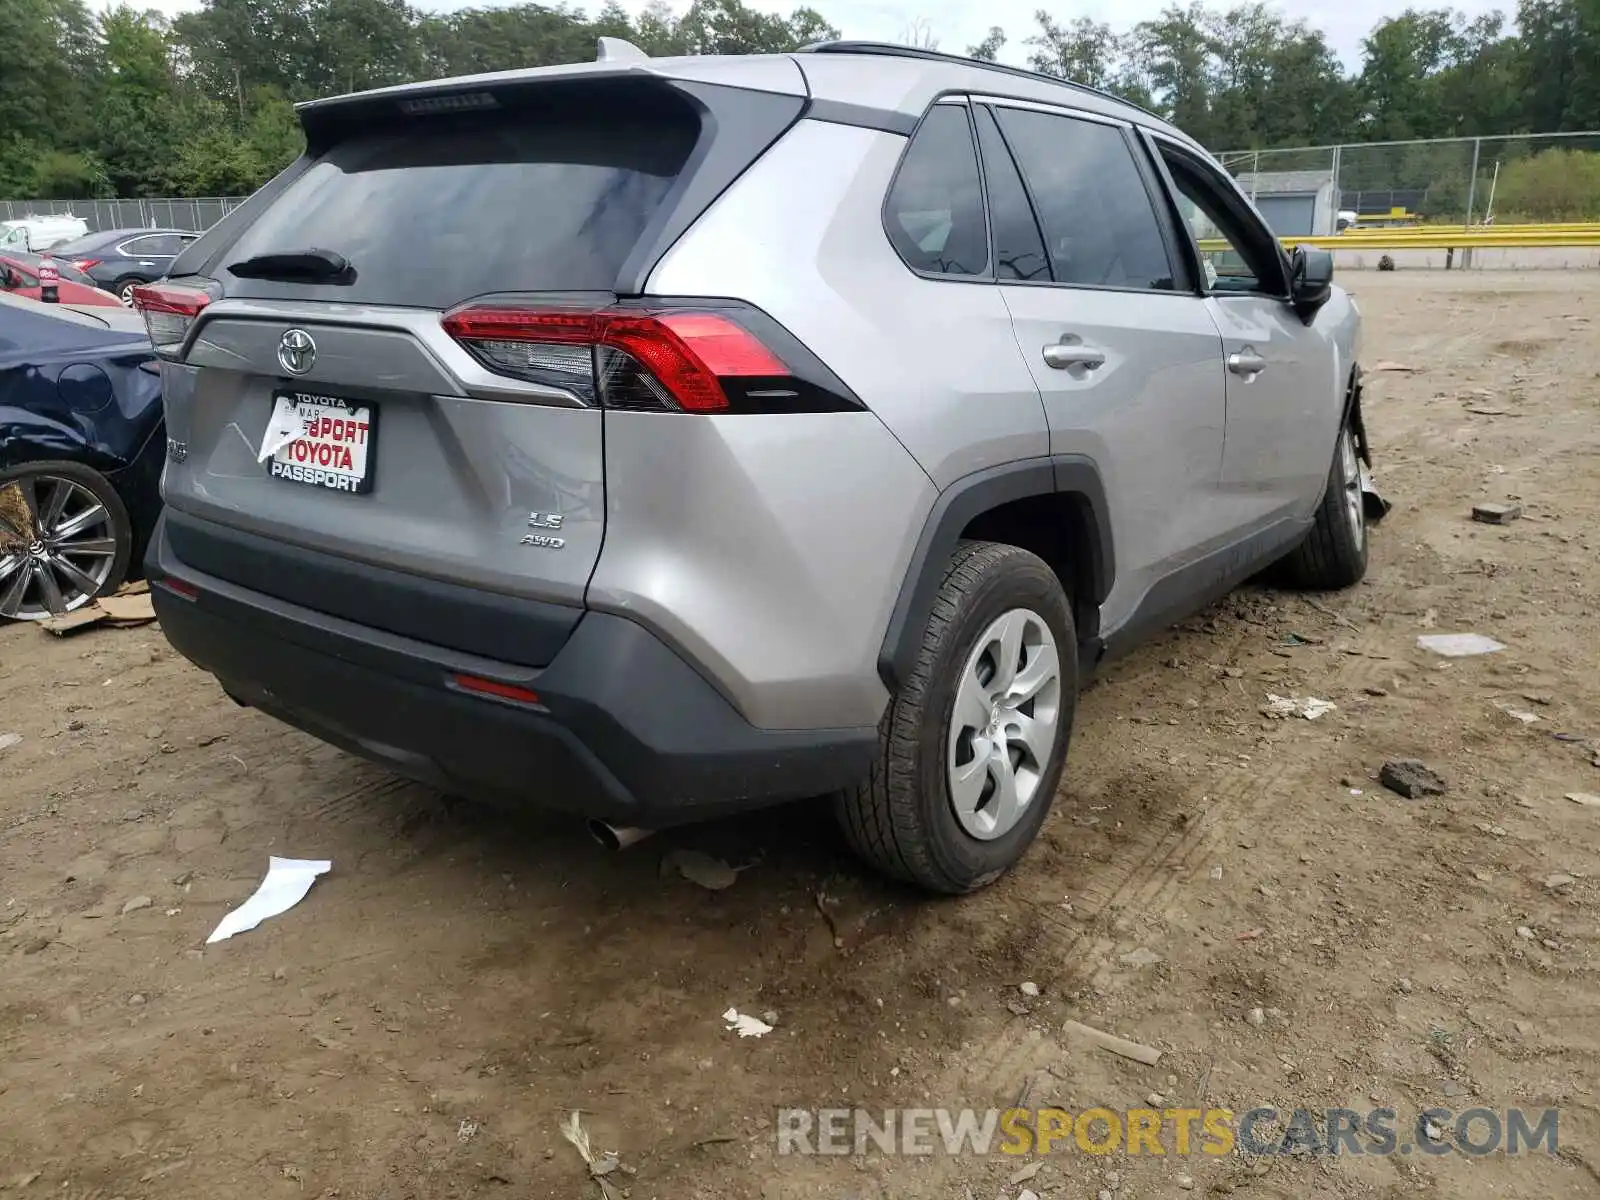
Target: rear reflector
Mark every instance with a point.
(179, 587)
(494, 688)
(169, 310)
(662, 360)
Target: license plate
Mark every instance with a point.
(322, 441)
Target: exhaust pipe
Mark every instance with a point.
(614, 837)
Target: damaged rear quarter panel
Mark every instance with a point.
(90, 404)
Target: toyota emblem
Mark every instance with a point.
(296, 351)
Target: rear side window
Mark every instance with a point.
(434, 212)
(934, 212)
(1100, 226)
(159, 244)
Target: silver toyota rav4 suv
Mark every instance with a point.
(654, 439)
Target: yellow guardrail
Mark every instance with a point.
(1447, 226)
(1461, 239)
(1446, 237)
(1549, 226)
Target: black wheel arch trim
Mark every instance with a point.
(955, 508)
(1353, 414)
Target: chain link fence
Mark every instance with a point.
(197, 213)
(1531, 179)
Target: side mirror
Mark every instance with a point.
(1311, 272)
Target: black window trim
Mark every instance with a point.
(944, 100)
(1158, 144)
(988, 204)
(1177, 264)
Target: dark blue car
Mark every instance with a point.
(82, 442)
(118, 260)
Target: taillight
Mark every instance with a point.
(169, 310)
(652, 357)
(83, 264)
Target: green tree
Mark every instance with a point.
(989, 49)
(365, 44)
(473, 40)
(1083, 50)
(1273, 82)
(136, 128)
(730, 27)
(1559, 63)
(234, 46)
(130, 103)
(1171, 61)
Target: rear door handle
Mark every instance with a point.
(1061, 355)
(1246, 362)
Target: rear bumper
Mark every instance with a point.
(625, 729)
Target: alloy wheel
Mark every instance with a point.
(1003, 726)
(1350, 481)
(63, 561)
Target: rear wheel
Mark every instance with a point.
(123, 290)
(65, 538)
(974, 742)
(1334, 554)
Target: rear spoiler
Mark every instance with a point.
(326, 122)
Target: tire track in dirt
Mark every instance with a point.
(1145, 877)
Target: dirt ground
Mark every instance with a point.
(421, 1024)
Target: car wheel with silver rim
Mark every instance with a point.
(1350, 484)
(1334, 552)
(124, 291)
(65, 538)
(973, 743)
(1003, 727)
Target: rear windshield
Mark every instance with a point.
(78, 246)
(441, 210)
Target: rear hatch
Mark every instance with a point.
(341, 380)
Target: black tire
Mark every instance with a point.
(117, 288)
(1334, 553)
(97, 484)
(902, 820)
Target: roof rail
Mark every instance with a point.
(895, 50)
(613, 49)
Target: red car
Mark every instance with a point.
(19, 276)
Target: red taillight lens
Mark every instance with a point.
(661, 360)
(83, 264)
(169, 310)
(690, 354)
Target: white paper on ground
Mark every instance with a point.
(1459, 645)
(1308, 707)
(287, 882)
(745, 1026)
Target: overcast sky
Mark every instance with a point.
(958, 24)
